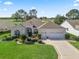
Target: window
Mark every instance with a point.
(17, 33)
(34, 26)
(29, 32)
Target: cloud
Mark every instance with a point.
(8, 3)
(76, 4)
(76, 1)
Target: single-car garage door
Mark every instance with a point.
(51, 35)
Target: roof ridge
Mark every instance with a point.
(42, 25)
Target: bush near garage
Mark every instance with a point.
(71, 37)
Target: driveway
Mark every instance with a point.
(64, 49)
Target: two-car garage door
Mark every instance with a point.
(52, 35)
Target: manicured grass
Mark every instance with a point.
(76, 44)
(10, 50)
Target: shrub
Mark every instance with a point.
(3, 32)
(35, 31)
(67, 36)
(23, 37)
(71, 37)
(28, 39)
(77, 38)
(39, 36)
(7, 38)
(29, 42)
(39, 41)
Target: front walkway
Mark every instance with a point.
(64, 49)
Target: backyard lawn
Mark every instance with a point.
(76, 44)
(10, 50)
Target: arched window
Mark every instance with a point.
(29, 31)
(35, 31)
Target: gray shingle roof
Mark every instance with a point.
(50, 25)
(36, 22)
(73, 22)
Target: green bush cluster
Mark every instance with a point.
(3, 32)
(9, 38)
(29, 40)
(71, 37)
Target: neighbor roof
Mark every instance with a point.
(73, 22)
(50, 25)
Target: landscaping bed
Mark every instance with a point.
(11, 50)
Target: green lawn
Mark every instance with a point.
(76, 44)
(10, 50)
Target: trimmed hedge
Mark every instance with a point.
(3, 32)
(67, 36)
(9, 38)
(71, 37)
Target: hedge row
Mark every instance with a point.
(71, 37)
(3, 32)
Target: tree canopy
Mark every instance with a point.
(33, 13)
(73, 14)
(59, 19)
(23, 15)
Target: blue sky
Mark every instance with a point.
(49, 8)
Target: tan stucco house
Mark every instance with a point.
(48, 29)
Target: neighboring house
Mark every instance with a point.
(48, 30)
(6, 25)
(72, 26)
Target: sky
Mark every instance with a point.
(48, 8)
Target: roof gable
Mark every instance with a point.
(35, 22)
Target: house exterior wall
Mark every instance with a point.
(53, 33)
(21, 29)
(69, 28)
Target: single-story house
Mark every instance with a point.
(6, 25)
(72, 26)
(48, 29)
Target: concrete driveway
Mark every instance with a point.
(64, 49)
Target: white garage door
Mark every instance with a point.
(52, 35)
